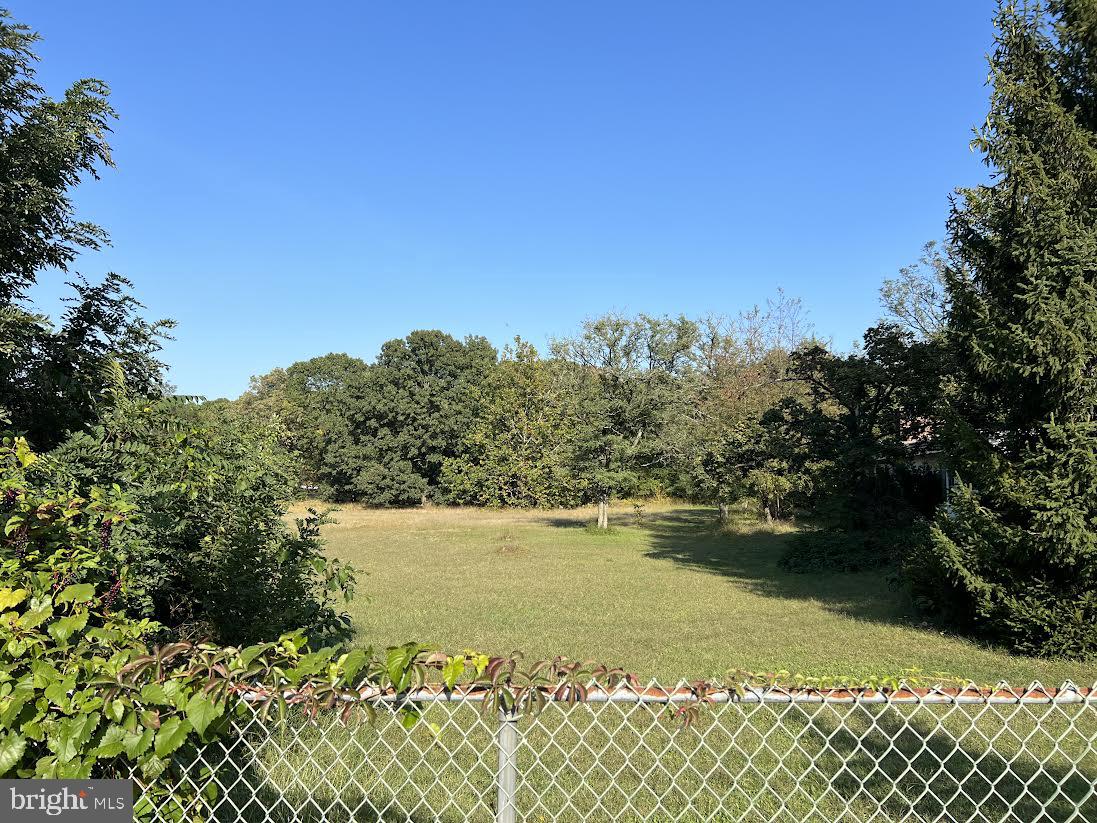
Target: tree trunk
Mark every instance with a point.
(724, 514)
(603, 513)
(769, 514)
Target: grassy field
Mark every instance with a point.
(623, 763)
(671, 597)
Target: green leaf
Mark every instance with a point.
(36, 615)
(11, 708)
(135, 744)
(173, 732)
(250, 653)
(201, 711)
(352, 663)
(173, 690)
(12, 747)
(453, 668)
(46, 767)
(155, 694)
(43, 672)
(71, 734)
(152, 767)
(23, 452)
(77, 593)
(61, 630)
(112, 743)
(115, 710)
(10, 598)
(396, 664)
(58, 692)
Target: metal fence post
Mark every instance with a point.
(506, 776)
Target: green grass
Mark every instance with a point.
(672, 597)
(739, 762)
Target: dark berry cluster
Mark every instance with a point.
(20, 542)
(105, 529)
(111, 597)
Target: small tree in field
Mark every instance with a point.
(771, 484)
(1015, 555)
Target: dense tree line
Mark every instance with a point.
(626, 406)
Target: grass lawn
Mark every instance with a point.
(672, 597)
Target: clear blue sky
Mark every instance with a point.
(297, 179)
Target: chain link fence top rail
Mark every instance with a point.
(627, 754)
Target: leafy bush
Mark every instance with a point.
(82, 693)
(206, 550)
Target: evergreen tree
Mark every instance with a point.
(1015, 555)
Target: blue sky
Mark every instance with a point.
(294, 180)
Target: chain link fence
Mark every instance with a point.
(766, 754)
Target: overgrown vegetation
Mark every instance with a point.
(130, 516)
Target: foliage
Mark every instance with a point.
(771, 484)
(845, 551)
(425, 393)
(207, 552)
(50, 378)
(46, 146)
(81, 690)
(82, 694)
(848, 440)
(317, 402)
(381, 433)
(1014, 557)
(916, 300)
(715, 437)
(626, 380)
(516, 454)
(630, 406)
(52, 381)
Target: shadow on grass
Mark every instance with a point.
(748, 553)
(962, 763)
(792, 762)
(306, 773)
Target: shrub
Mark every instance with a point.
(82, 692)
(207, 551)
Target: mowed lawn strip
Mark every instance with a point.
(672, 596)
